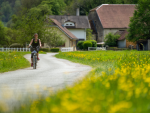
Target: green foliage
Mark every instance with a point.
(5, 12)
(94, 43)
(111, 39)
(53, 39)
(2, 33)
(140, 22)
(80, 44)
(89, 35)
(87, 44)
(44, 49)
(54, 50)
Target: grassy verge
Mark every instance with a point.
(119, 83)
(10, 61)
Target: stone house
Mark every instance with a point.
(70, 39)
(108, 18)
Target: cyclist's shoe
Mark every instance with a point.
(38, 59)
(31, 64)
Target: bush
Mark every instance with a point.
(111, 39)
(80, 44)
(87, 44)
(44, 49)
(54, 50)
(94, 43)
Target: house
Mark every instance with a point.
(108, 18)
(77, 25)
(123, 42)
(70, 39)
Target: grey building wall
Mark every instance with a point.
(122, 43)
(100, 31)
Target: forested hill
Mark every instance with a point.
(55, 7)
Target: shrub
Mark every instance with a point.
(80, 44)
(111, 39)
(94, 43)
(87, 44)
(54, 50)
(44, 49)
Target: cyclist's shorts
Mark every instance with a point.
(32, 54)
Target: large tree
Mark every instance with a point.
(53, 39)
(139, 27)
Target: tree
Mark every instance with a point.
(6, 11)
(111, 39)
(53, 39)
(89, 35)
(7, 35)
(2, 34)
(139, 27)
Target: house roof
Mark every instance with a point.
(81, 22)
(64, 29)
(122, 34)
(115, 15)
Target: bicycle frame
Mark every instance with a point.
(34, 52)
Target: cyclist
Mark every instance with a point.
(35, 42)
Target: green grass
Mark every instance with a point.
(10, 61)
(118, 83)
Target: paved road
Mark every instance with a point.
(51, 72)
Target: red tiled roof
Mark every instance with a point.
(122, 34)
(115, 15)
(64, 29)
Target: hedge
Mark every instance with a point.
(80, 44)
(54, 50)
(94, 43)
(44, 49)
(87, 44)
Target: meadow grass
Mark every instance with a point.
(118, 83)
(10, 61)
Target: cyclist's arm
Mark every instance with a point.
(31, 42)
(40, 42)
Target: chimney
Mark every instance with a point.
(78, 12)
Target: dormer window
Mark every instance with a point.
(69, 24)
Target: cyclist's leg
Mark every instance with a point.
(38, 55)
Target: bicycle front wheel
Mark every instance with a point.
(34, 61)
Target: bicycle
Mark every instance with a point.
(34, 53)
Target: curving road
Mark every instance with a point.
(51, 73)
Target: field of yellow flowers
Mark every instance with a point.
(119, 83)
(12, 60)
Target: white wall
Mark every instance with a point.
(79, 33)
